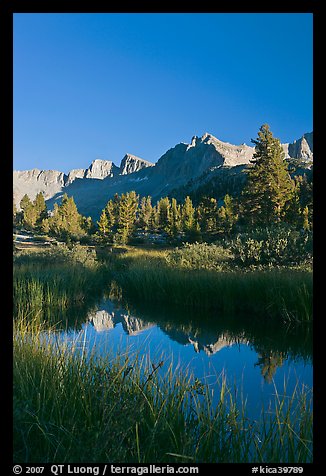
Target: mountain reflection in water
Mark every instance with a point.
(109, 316)
(208, 333)
(258, 357)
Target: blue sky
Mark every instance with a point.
(90, 86)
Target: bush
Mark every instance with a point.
(199, 256)
(272, 246)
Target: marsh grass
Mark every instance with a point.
(284, 294)
(71, 278)
(69, 409)
(57, 283)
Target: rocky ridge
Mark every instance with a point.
(51, 182)
(130, 164)
(180, 165)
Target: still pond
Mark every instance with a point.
(258, 359)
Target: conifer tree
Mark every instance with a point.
(190, 224)
(115, 206)
(112, 213)
(269, 361)
(45, 225)
(25, 202)
(164, 213)
(66, 220)
(71, 218)
(227, 215)
(174, 225)
(103, 224)
(29, 213)
(128, 205)
(269, 186)
(153, 222)
(207, 214)
(87, 225)
(145, 213)
(188, 215)
(293, 210)
(40, 208)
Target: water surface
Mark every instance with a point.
(258, 359)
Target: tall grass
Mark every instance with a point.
(47, 282)
(68, 409)
(277, 293)
(54, 283)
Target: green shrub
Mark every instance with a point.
(199, 256)
(272, 246)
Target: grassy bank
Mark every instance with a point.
(70, 410)
(70, 281)
(277, 293)
(57, 283)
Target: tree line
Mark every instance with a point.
(270, 197)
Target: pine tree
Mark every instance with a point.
(29, 212)
(40, 208)
(164, 213)
(188, 215)
(189, 222)
(269, 186)
(268, 363)
(103, 224)
(72, 220)
(54, 222)
(145, 213)
(174, 226)
(154, 219)
(45, 225)
(227, 215)
(87, 225)
(293, 210)
(66, 220)
(25, 202)
(207, 214)
(128, 205)
(112, 213)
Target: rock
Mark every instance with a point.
(31, 182)
(301, 149)
(182, 164)
(73, 174)
(131, 163)
(100, 169)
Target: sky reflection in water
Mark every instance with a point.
(255, 362)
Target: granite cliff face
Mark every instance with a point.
(92, 187)
(130, 164)
(301, 149)
(100, 169)
(33, 181)
(52, 182)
